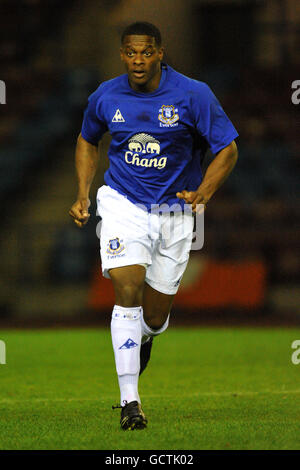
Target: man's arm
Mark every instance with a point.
(216, 173)
(86, 161)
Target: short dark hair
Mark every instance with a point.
(142, 28)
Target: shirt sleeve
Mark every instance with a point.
(211, 121)
(93, 127)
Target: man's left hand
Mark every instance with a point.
(194, 198)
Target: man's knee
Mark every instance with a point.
(155, 321)
(129, 294)
(156, 307)
(128, 285)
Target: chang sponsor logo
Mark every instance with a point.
(144, 150)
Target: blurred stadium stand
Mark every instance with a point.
(50, 269)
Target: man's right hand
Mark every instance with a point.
(79, 212)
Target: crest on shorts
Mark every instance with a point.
(114, 246)
(168, 116)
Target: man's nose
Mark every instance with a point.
(138, 59)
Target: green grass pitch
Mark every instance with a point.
(204, 388)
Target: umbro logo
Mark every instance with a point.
(118, 117)
(129, 344)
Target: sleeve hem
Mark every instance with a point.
(89, 139)
(221, 146)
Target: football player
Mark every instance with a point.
(161, 123)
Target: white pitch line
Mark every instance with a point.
(196, 394)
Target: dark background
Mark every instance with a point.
(53, 54)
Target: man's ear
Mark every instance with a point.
(161, 53)
(121, 54)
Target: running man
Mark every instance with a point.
(161, 123)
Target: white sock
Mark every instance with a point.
(147, 332)
(126, 340)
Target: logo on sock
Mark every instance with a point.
(129, 344)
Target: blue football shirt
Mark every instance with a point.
(158, 139)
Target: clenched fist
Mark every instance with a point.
(79, 212)
(195, 198)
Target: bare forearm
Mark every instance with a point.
(86, 162)
(218, 170)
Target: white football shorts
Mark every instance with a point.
(130, 235)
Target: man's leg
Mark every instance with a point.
(169, 260)
(154, 320)
(128, 282)
(156, 307)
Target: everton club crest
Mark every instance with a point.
(114, 246)
(168, 116)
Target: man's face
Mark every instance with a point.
(142, 59)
